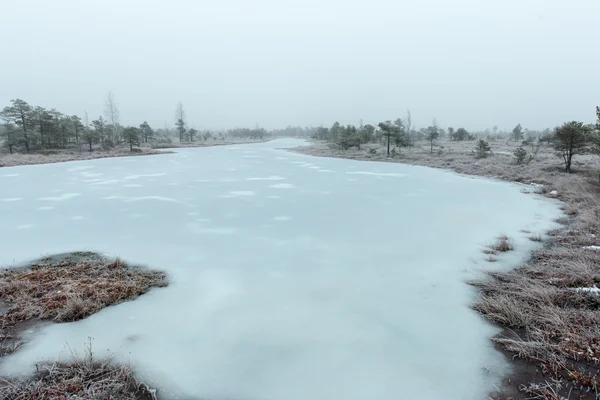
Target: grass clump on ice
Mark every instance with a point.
(69, 288)
(72, 288)
(81, 378)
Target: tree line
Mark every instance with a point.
(400, 132)
(568, 140)
(28, 128)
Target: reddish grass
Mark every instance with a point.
(71, 288)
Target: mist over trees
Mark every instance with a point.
(568, 140)
(28, 128)
(32, 128)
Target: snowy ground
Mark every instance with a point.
(292, 277)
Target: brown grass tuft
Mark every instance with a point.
(71, 290)
(502, 244)
(81, 378)
(535, 238)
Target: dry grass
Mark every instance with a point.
(502, 244)
(70, 290)
(548, 390)
(81, 378)
(535, 238)
(16, 159)
(491, 258)
(550, 320)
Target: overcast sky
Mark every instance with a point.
(471, 63)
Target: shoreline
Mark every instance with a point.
(67, 155)
(540, 368)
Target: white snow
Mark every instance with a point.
(131, 177)
(268, 178)
(155, 198)
(593, 248)
(360, 295)
(240, 193)
(593, 290)
(394, 174)
(282, 186)
(24, 226)
(66, 196)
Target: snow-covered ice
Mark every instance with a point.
(327, 290)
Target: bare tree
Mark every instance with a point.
(111, 112)
(408, 126)
(432, 134)
(180, 121)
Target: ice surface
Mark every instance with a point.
(329, 289)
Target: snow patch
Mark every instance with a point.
(157, 198)
(593, 248)
(282, 186)
(80, 168)
(90, 174)
(282, 218)
(593, 290)
(10, 199)
(268, 178)
(200, 230)
(106, 182)
(130, 177)
(66, 196)
(239, 193)
(392, 174)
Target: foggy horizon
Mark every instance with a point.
(303, 63)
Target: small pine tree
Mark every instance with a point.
(483, 149)
(521, 155)
(569, 139)
(132, 136)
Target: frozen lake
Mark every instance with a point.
(293, 278)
